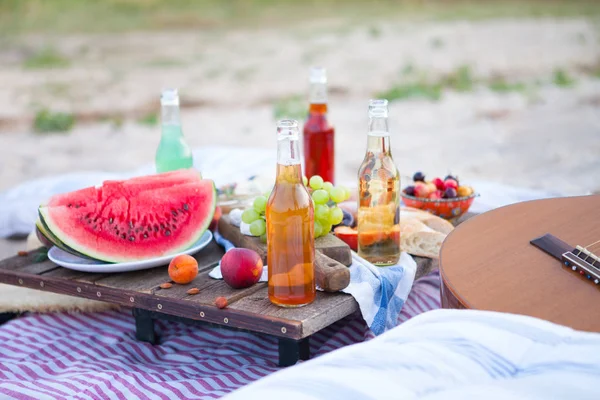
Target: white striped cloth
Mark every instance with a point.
(96, 355)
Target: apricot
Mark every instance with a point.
(241, 268)
(183, 269)
(464, 191)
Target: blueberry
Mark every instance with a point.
(419, 177)
(450, 193)
(409, 190)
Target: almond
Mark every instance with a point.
(193, 290)
(166, 285)
(22, 253)
(221, 302)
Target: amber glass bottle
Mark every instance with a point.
(290, 226)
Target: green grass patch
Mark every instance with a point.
(150, 119)
(47, 121)
(460, 80)
(48, 57)
(165, 63)
(293, 107)
(82, 16)
(500, 85)
(374, 32)
(561, 78)
(413, 90)
(437, 43)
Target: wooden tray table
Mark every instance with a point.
(248, 309)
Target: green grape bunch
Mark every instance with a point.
(325, 196)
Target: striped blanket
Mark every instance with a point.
(96, 355)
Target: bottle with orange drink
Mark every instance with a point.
(290, 226)
(378, 217)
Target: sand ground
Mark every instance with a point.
(542, 133)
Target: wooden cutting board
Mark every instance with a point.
(332, 256)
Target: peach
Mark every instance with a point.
(183, 269)
(436, 195)
(241, 268)
(431, 187)
(348, 235)
(421, 190)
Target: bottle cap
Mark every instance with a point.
(378, 108)
(318, 75)
(169, 97)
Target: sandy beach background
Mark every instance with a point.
(502, 91)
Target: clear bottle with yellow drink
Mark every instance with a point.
(290, 226)
(378, 221)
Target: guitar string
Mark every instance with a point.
(594, 257)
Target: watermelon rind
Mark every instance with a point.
(108, 255)
(43, 229)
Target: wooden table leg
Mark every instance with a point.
(290, 351)
(5, 317)
(144, 326)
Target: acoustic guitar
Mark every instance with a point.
(536, 258)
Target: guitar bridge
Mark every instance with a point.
(582, 260)
(578, 259)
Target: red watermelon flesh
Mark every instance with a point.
(119, 224)
(135, 185)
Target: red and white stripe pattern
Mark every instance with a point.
(96, 355)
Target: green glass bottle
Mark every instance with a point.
(173, 152)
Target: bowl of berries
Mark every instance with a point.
(446, 198)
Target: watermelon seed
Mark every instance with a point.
(174, 226)
(131, 238)
(155, 227)
(69, 205)
(77, 206)
(145, 236)
(185, 206)
(162, 226)
(123, 236)
(137, 230)
(174, 212)
(131, 224)
(167, 232)
(110, 220)
(94, 227)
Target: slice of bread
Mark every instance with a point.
(421, 233)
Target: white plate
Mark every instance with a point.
(71, 261)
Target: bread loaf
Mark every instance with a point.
(422, 233)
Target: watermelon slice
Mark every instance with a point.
(132, 220)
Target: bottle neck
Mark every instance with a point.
(378, 138)
(318, 94)
(288, 150)
(170, 115)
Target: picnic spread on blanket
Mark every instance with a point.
(288, 267)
